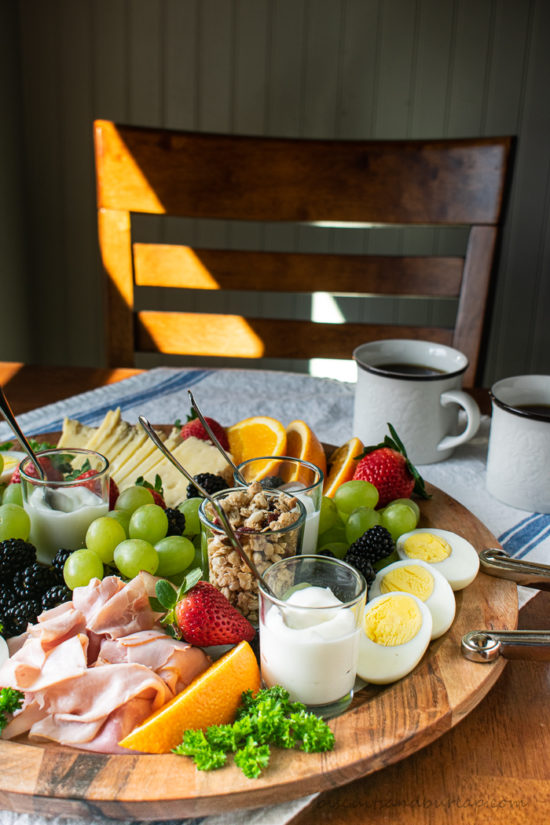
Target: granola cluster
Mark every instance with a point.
(260, 519)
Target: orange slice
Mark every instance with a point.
(341, 465)
(257, 437)
(301, 442)
(211, 699)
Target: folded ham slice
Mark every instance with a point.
(94, 668)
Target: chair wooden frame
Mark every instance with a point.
(421, 182)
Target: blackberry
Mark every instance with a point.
(7, 598)
(59, 561)
(361, 563)
(375, 544)
(209, 481)
(57, 594)
(176, 521)
(21, 614)
(14, 555)
(272, 482)
(34, 580)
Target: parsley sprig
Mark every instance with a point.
(269, 718)
(10, 701)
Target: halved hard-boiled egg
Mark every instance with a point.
(396, 631)
(11, 459)
(449, 553)
(424, 582)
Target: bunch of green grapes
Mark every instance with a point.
(133, 537)
(352, 511)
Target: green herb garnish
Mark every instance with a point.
(10, 701)
(270, 718)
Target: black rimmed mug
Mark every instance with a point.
(416, 386)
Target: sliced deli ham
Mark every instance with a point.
(94, 668)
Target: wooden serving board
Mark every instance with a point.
(382, 726)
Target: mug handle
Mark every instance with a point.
(473, 418)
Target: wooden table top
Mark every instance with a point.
(494, 767)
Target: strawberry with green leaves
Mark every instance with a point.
(387, 466)
(200, 614)
(193, 427)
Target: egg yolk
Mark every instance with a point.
(392, 621)
(427, 547)
(409, 578)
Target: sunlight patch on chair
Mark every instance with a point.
(333, 368)
(324, 309)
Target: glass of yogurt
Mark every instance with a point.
(310, 624)
(62, 506)
(292, 475)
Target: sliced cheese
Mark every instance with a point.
(114, 441)
(109, 423)
(196, 456)
(134, 443)
(127, 474)
(149, 467)
(75, 434)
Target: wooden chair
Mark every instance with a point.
(420, 182)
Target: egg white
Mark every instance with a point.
(12, 458)
(441, 602)
(460, 568)
(381, 664)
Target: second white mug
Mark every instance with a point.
(415, 386)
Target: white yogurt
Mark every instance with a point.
(311, 652)
(63, 523)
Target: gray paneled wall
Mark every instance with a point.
(321, 68)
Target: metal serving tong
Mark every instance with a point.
(18, 432)
(487, 645)
(231, 535)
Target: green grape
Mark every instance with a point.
(176, 553)
(356, 493)
(337, 533)
(123, 518)
(328, 515)
(134, 497)
(15, 522)
(190, 509)
(398, 519)
(338, 548)
(410, 503)
(13, 495)
(81, 567)
(134, 555)
(149, 523)
(361, 520)
(102, 537)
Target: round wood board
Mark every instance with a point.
(382, 726)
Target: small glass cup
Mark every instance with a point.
(61, 506)
(309, 630)
(264, 542)
(293, 475)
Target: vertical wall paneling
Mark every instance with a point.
(314, 68)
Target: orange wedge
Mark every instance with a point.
(211, 699)
(257, 437)
(341, 465)
(301, 442)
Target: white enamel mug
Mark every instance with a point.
(415, 386)
(518, 461)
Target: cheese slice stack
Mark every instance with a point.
(132, 454)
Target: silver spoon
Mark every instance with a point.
(213, 438)
(12, 421)
(226, 525)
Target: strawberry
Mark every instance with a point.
(49, 470)
(387, 466)
(205, 617)
(157, 491)
(94, 486)
(193, 427)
